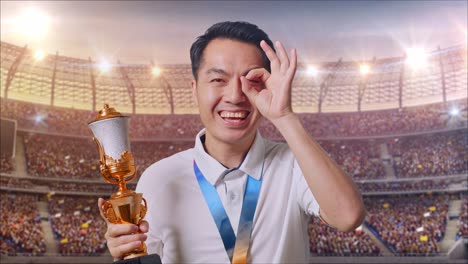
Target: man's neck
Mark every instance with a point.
(228, 154)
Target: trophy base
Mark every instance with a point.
(135, 255)
(147, 259)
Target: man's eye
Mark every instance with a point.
(216, 80)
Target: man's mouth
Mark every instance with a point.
(233, 116)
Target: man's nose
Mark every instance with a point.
(235, 94)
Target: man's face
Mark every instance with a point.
(225, 111)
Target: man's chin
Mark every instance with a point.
(236, 136)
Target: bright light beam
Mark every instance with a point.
(105, 66)
(416, 58)
(364, 69)
(155, 71)
(39, 55)
(32, 23)
(312, 70)
(454, 111)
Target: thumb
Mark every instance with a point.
(248, 90)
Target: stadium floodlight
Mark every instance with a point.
(155, 71)
(416, 58)
(104, 66)
(33, 23)
(454, 111)
(39, 55)
(312, 70)
(364, 69)
(38, 118)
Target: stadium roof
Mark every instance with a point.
(162, 31)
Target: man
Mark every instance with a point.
(264, 190)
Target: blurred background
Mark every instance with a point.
(381, 85)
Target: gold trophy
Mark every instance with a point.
(110, 130)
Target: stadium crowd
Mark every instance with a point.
(409, 224)
(44, 118)
(403, 186)
(327, 241)
(14, 182)
(63, 157)
(6, 164)
(324, 125)
(148, 152)
(77, 225)
(386, 122)
(77, 187)
(430, 154)
(77, 158)
(463, 220)
(165, 127)
(415, 156)
(358, 158)
(20, 227)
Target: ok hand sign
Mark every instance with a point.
(271, 93)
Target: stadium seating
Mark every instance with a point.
(327, 241)
(52, 156)
(432, 117)
(6, 164)
(21, 232)
(409, 224)
(430, 154)
(358, 158)
(463, 220)
(77, 225)
(421, 156)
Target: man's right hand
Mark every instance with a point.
(123, 238)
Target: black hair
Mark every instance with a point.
(241, 31)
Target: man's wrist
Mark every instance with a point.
(285, 121)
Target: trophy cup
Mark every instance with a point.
(110, 130)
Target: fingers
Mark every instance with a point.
(283, 56)
(270, 53)
(144, 226)
(249, 91)
(293, 64)
(124, 238)
(118, 247)
(280, 59)
(115, 230)
(258, 74)
(127, 239)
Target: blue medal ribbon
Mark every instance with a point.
(236, 249)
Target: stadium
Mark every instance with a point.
(397, 125)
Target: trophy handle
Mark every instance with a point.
(102, 159)
(109, 213)
(143, 208)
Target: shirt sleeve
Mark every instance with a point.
(154, 242)
(305, 198)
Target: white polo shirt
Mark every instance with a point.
(182, 229)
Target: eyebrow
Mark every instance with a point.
(216, 70)
(223, 72)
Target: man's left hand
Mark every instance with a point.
(271, 93)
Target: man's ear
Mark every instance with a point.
(193, 83)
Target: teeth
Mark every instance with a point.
(242, 114)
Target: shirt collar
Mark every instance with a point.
(213, 170)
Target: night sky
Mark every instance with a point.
(137, 32)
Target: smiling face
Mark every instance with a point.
(225, 111)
